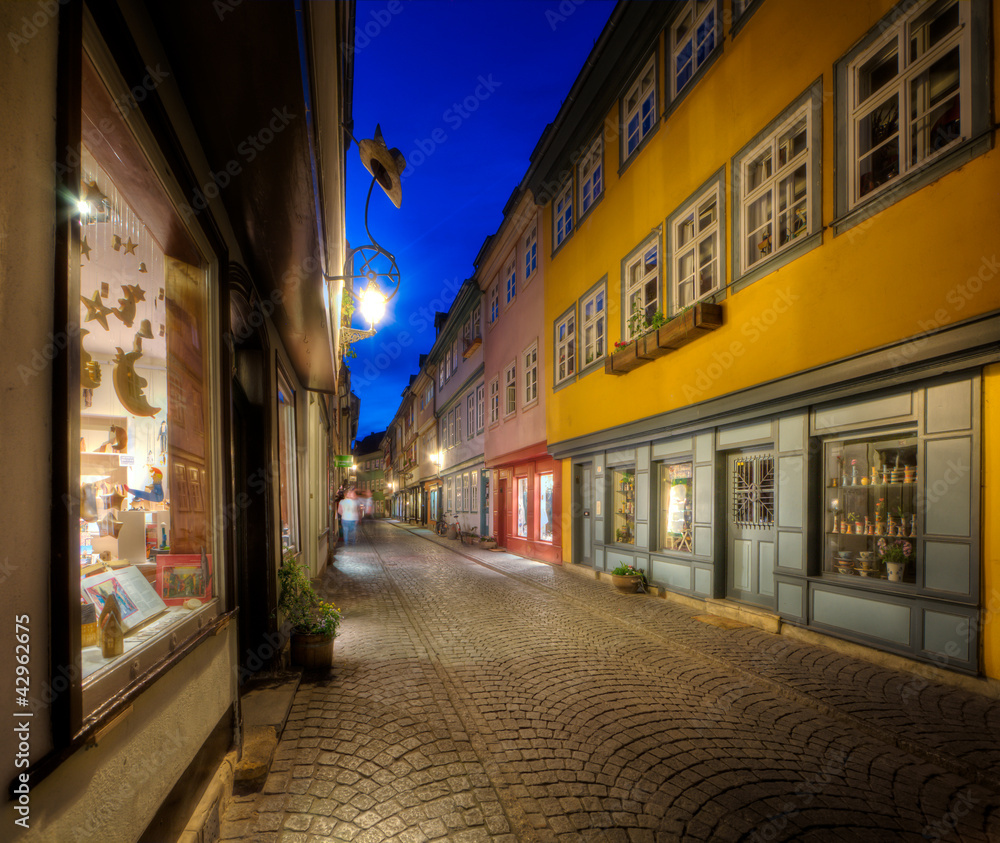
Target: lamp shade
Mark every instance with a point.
(385, 164)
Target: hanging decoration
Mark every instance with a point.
(163, 442)
(85, 248)
(90, 369)
(135, 291)
(96, 310)
(155, 493)
(126, 308)
(129, 384)
(116, 242)
(130, 247)
(142, 267)
(109, 525)
(117, 439)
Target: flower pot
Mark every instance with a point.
(895, 571)
(626, 583)
(487, 545)
(312, 652)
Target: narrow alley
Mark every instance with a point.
(479, 696)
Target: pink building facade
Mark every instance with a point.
(524, 504)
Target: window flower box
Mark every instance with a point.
(678, 332)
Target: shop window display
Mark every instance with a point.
(623, 484)
(871, 519)
(522, 507)
(546, 487)
(676, 506)
(145, 543)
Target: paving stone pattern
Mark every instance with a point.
(479, 696)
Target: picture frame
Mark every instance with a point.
(184, 576)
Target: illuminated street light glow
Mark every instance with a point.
(372, 304)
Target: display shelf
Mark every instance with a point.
(870, 508)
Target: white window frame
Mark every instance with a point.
(465, 492)
(459, 501)
(690, 216)
(639, 286)
(495, 400)
(510, 389)
(451, 428)
(470, 413)
(510, 282)
(699, 17)
(766, 246)
(477, 332)
(562, 215)
(474, 490)
(565, 345)
(907, 72)
(644, 91)
(480, 407)
(495, 301)
(590, 176)
(530, 252)
(530, 379)
(595, 324)
(458, 423)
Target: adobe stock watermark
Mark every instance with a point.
(368, 30)
(561, 13)
(958, 297)
(30, 27)
(947, 824)
(248, 149)
(753, 329)
(453, 117)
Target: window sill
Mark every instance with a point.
(678, 332)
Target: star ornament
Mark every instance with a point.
(85, 248)
(96, 310)
(135, 291)
(130, 247)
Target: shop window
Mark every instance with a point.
(623, 487)
(522, 507)
(871, 525)
(546, 487)
(148, 563)
(287, 465)
(676, 497)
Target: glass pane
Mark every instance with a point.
(792, 143)
(758, 170)
(623, 484)
(933, 26)
(878, 125)
(145, 468)
(878, 132)
(676, 506)
(870, 508)
(935, 107)
(706, 37)
(706, 278)
(878, 71)
(685, 231)
(683, 26)
(546, 489)
(707, 214)
(522, 506)
(685, 267)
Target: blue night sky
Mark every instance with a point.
(464, 88)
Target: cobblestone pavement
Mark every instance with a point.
(478, 696)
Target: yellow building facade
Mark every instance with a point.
(774, 310)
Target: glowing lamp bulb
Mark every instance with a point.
(83, 206)
(372, 304)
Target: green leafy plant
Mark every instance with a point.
(625, 570)
(304, 609)
(896, 552)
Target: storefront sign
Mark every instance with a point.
(343, 461)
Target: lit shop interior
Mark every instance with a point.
(146, 560)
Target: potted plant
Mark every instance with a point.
(895, 556)
(313, 620)
(469, 536)
(627, 579)
(487, 542)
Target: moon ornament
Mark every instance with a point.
(129, 384)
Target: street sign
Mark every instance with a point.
(343, 461)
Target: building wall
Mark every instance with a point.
(885, 283)
(519, 325)
(879, 282)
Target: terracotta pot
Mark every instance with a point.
(626, 583)
(312, 652)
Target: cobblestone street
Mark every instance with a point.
(478, 696)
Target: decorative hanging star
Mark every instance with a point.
(138, 294)
(85, 247)
(116, 243)
(130, 247)
(94, 197)
(96, 310)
